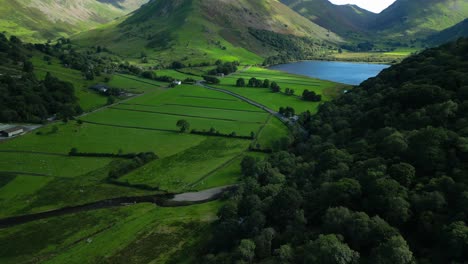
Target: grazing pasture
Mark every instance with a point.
(180, 172)
(139, 233)
(298, 83)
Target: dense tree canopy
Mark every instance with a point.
(23, 98)
(377, 176)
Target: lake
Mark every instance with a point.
(343, 72)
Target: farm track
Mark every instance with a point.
(163, 200)
(183, 115)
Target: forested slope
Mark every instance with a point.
(378, 176)
(23, 98)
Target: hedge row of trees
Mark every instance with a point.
(376, 176)
(257, 83)
(214, 132)
(225, 68)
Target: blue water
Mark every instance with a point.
(342, 72)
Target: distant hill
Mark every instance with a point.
(38, 20)
(201, 30)
(450, 34)
(342, 19)
(418, 18)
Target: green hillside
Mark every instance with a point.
(342, 19)
(38, 20)
(450, 34)
(205, 30)
(417, 18)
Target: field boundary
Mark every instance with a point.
(182, 115)
(222, 166)
(132, 127)
(137, 80)
(202, 107)
(212, 98)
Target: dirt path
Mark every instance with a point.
(201, 195)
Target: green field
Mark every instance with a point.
(179, 172)
(272, 130)
(178, 75)
(134, 84)
(274, 101)
(135, 234)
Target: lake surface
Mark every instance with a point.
(343, 72)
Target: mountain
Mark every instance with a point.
(417, 18)
(342, 19)
(203, 30)
(450, 34)
(38, 20)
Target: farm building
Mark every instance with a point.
(11, 132)
(176, 82)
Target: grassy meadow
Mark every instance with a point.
(141, 233)
(274, 101)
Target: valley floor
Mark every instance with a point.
(38, 175)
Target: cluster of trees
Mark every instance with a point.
(211, 79)
(289, 91)
(23, 98)
(224, 68)
(311, 96)
(256, 83)
(376, 176)
(120, 168)
(287, 111)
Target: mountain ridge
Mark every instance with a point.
(208, 29)
(34, 20)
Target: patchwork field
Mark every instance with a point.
(38, 175)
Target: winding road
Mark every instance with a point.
(245, 99)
